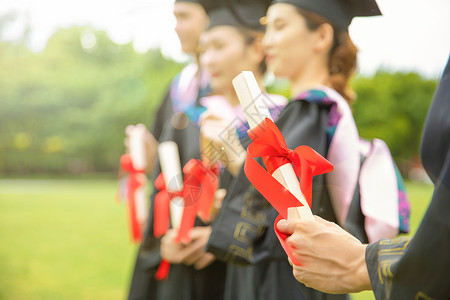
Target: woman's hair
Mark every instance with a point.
(342, 56)
(249, 37)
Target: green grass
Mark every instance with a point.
(63, 239)
(68, 239)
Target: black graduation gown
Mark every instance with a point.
(162, 116)
(419, 268)
(184, 282)
(243, 233)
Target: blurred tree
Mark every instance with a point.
(392, 107)
(65, 109)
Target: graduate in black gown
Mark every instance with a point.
(197, 275)
(179, 107)
(228, 46)
(318, 58)
(188, 86)
(185, 282)
(402, 268)
(191, 83)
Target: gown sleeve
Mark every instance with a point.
(163, 114)
(419, 268)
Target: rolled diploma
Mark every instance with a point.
(137, 153)
(141, 204)
(256, 111)
(170, 167)
(137, 146)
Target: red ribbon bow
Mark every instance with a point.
(269, 143)
(136, 179)
(199, 186)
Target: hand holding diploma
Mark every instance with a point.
(332, 260)
(141, 143)
(134, 163)
(219, 142)
(188, 197)
(178, 202)
(189, 254)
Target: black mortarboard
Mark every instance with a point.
(238, 13)
(338, 12)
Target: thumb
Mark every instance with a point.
(324, 222)
(285, 226)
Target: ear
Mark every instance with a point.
(256, 52)
(325, 35)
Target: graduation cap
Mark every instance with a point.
(338, 12)
(238, 13)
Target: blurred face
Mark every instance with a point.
(288, 42)
(191, 21)
(224, 54)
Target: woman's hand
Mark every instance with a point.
(188, 254)
(333, 261)
(219, 141)
(219, 195)
(170, 250)
(150, 145)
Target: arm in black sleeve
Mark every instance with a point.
(420, 268)
(163, 114)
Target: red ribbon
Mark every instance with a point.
(163, 270)
(203, 185)
(199, 186)
(136, 179)
(269, 143)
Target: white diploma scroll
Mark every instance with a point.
(256, 111)
(137, 146)
(137, 152)
(170, 167)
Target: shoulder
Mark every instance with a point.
(320, 98)
(322, 95)
(186, 74)
(276, 100)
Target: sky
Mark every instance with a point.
(412, 35)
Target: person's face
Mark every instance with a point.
(224, 54)
(288, 43)
(191, 21)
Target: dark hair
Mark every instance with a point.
(249, 37)
(342, 56)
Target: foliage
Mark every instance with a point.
(392, 107)
(389, 106)
(65, 109)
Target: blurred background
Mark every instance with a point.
(73, 74)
